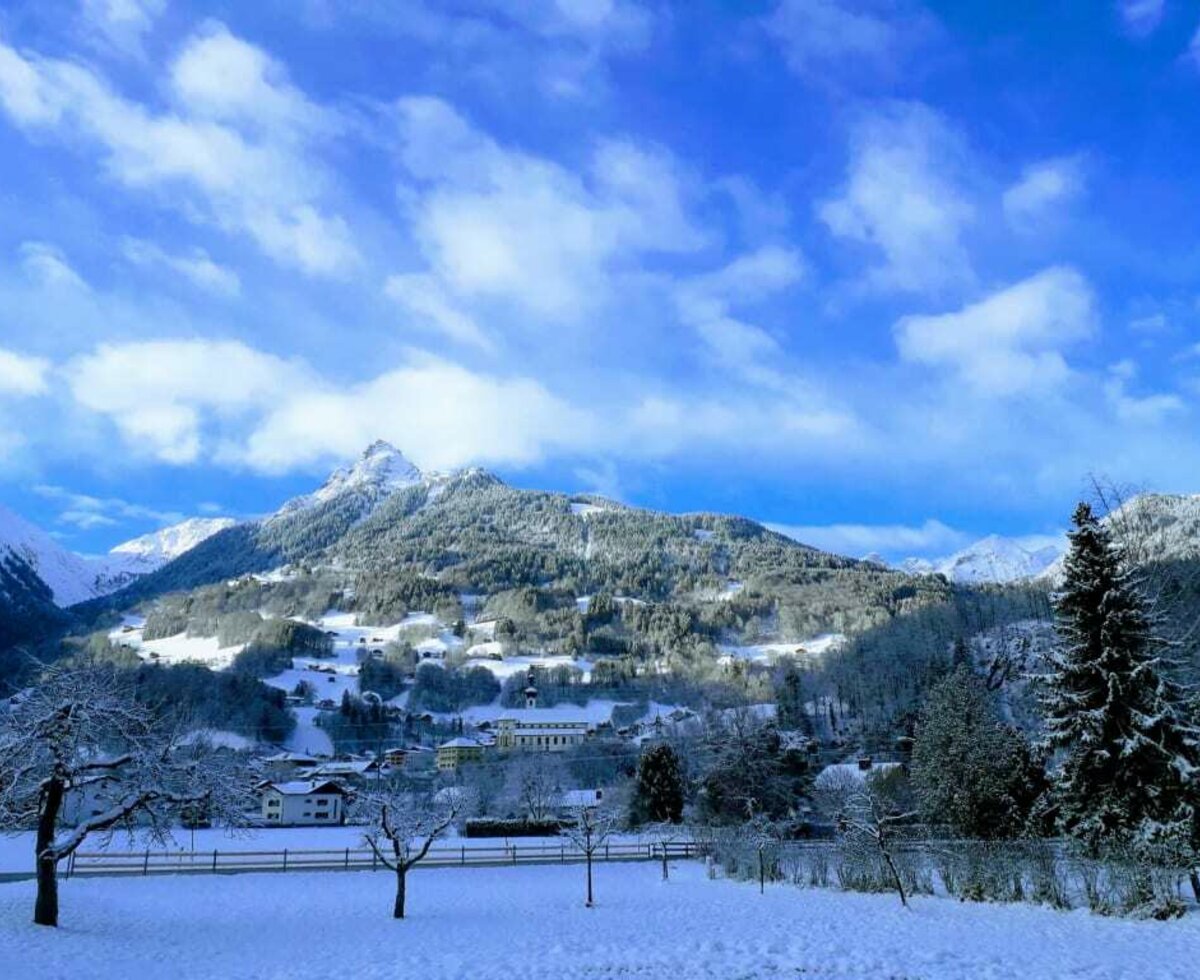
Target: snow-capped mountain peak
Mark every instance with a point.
(380, 470)
(991, 559)
(159, 547)
(70, 577)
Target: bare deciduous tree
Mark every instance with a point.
(869, 811)
(403, 825)
(80, 740)
(589, 829)
(538, 784)
(661, 836)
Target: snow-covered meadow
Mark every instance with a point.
(530, 922)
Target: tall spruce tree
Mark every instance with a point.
(969, 769)
(658, 795)
(1128, 773)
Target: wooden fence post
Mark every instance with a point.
(214, 867)
(146, 862)
(285, 859)
(347, 859)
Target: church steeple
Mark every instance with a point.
(530, 690)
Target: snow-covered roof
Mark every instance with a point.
(581, 797)
(461, 743)
(852, 771)
(593, 713)
(305, 787)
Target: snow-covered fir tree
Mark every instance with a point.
(1129, 754)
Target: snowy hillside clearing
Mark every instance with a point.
(765, 653)
(529, 922)
(177, 649)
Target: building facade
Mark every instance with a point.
(309, 803)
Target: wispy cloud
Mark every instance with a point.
(87, 512)
(931, 537)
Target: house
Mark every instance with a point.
(289, 765)
(457, 752)
(848, 774)
(354, 771)
(307, 803)
(574, 800)
(396, 757)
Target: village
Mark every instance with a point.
(312, 789)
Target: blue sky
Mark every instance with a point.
(893, 275)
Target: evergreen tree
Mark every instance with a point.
(970, 770)
(658, 795)
(1129, 754)
(790, 699)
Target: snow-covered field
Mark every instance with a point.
(770, 652)
(530, 923)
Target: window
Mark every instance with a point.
(322, 802)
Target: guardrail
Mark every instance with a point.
(151, 862)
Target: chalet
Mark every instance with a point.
(458, 751)
(307, 803)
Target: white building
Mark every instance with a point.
(545, 729)
(303, 804)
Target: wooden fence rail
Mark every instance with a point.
(159, 862)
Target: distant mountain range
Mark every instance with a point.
(71, 578)
(469, 533)
(992, 559)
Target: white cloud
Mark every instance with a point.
(47, 265)
(260, 179)
(185, 401)
(195, 266)
(662, 425)
(856, 540)
(1044, 189)
(619, 23)
(121, 25)
(1147, 410)
(1009, 342)
(904, 198)
(426, 299)
(705, 303)
(1141, 17)
(500, 223)
(827, 39)
(161, 393)
(219, 76)
(442, 414)
(87, 512)
(22, 375)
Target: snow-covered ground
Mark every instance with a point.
(503, 669)
(529, 922)
(177, 649)
(769, 652)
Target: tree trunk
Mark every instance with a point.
(665, 870)
(590, 903)
(762, 875)
(45, 908)
(401, 890)
(1194, 876)
(887, 856)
